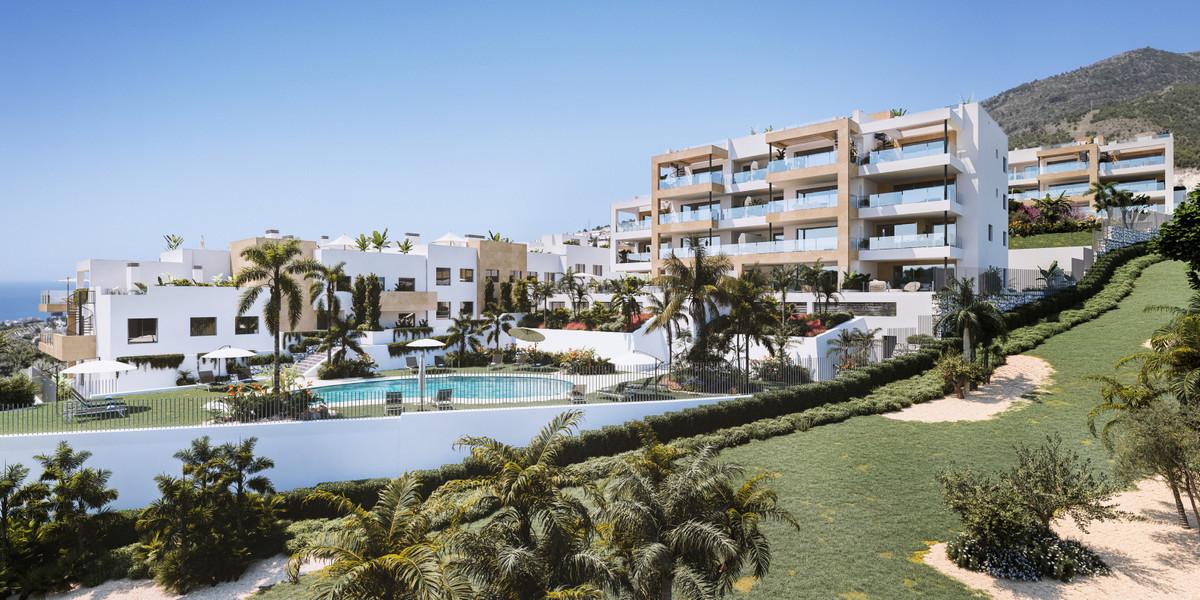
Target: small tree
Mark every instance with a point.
(379, 240)
(173, 241)
(374, 291)
(497, 324)
(1161, 440)
(1179, 238)
(358, 300)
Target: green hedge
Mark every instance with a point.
(259, 360)
(1090, 285)
(154, 361)
(17, 390)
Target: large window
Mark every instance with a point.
(492, 275)
(245, 325)
(514, 275)
(468, 309)
(551, 276)
(580, 268)
(533, 276)
(466, 275)
(443, 275)
(443, 310)
(598, 270)
(204, 326)
(143, 331)
(406, 284)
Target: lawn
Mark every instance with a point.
(184, 406)
(865, 489)
(1051, 240)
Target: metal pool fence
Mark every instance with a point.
(95, 406)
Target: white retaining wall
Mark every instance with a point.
(1075, 260)
(309, 453)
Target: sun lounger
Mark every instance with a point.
(75, 409)
(411, 362)
(444, 399)
(205, 377)
(579, 393)
(394, 403)
(439, 361)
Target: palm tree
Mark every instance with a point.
(825, 289)
(968, 315)
(496, 237)
(668, 312)
(784, 279)
(362, 242)
(539, 536)
(1053, 276)
(687, 526)
(390, 551)
(323, 289)
(1102, 197)
(1053, 208)
(379, 240)
(852, 347)
(497, 324)
(698, 284)
(462, 332)
(272, 267)
(751, 314)
(342, 337)
(540, 293)
(576, 290)
(627, 295)
(173, 241)
(405, 247)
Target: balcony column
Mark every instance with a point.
(945, 229)
(945, 136)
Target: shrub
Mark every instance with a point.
(469, 359)
(17, 390)
(584, 362)
(153, 361)
(259, 360)
(356, 367)
(959, 373)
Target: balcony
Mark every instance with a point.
(53, 301)
(917, 240)
(913, 196)
(631, 226)
(750, 248)
(818, 159)
(1026, 195)
(689, 216)
(931, 148)
(748, 176)
(1070, 189)
(1148, 186)
(633, 257)
(1064, 167)
(1030, 172)
(67, 348)
(1132, 163)
(742, 212)
(682, 181)
(911, 247)
(406, 302)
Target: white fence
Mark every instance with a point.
(307, 453)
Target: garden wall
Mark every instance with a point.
(309, 453)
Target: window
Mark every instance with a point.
(598, 270)
(406, 320)
(406, 284)
(202, 326)
(514, 275)
(492, 275)
(443, 276)
(551, 277)
(533, 276)
(580, 268)
(1004, 238)
(466, 275)
(557, 305)
(443, 310)
(143, 331)
(989, 232)
(1005, 163)
(245, 325)
(468, 309)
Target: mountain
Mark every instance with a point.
(1133, 92)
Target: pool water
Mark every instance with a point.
(466, 387)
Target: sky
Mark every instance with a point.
(123, 121)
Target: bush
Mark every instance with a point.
(17, 390)
(153, 361)
(1040, 555)
(469, 359)
(346, 368)
(585, 362)
(259, 360)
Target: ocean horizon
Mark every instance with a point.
(19, 299)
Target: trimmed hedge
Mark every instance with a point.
(1091, 284)
(154, 361)
(17, 390)
(260, 360)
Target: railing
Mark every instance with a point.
(803, 162)
(807, 245)
(688, 216)
(669, 183)
(53, 297)
(1070, 189)
(808, 201)
(1024, 173)
(635, 257)
(913, 196)
(1132, 163)
(499, 387)
(932, 148)
(741, 212)
(748, 176)
(641, 225)
(1063, 167)
(917, 240)
(1026, 195)
(1141, 186)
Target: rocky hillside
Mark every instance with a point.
(1133, 92)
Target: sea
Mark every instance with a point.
(19, 299)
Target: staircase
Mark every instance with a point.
(310, 362)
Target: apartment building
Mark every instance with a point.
(1143, 165)
(900, 196)
(122, 308)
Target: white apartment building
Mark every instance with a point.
(1143, 165)
(895, 196)
(123, 308)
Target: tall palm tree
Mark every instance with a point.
(968, 315)
(576, 289)
(273, 268)
(627, 296)
(1102, 197)
(669, 313)
(697, 283)
(497, 324)
(405, 247)
(539, 536)
(783, 279)
(687, 526)
(390, 551)
(462, 333)
(852, 347)
(342, 337)
(362, 242)
(541, 292)
(323, 289)
(379, 240)
(750, 317)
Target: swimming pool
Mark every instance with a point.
(466, 387)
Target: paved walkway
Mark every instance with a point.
(1019, 376)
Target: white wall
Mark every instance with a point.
(309, 453)
(607, 344)
(454, 257)
(983, 191)
(1075, 260)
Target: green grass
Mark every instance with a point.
(865, 489)
(1051, 240)
(184, 406)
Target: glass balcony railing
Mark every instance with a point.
(688, 216)
(642, 225)
(670, 183)
(636, 257)
(931, 148)
(741, 212)
(748, 176)
(823, 199)
(807, 245)
(803, 162)
(1024, 173)
(1063, 167)
(1141, 187)
(919, 240)
(1026, 195)
(1131, 163)
(1071, 189)
(913, 196)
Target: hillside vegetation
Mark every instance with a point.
(1121, 96)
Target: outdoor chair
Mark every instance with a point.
(205, 377)
(444, 399)
(394, 403)
(411, 362)
(75, 409)
(579, 393)
(439, 361)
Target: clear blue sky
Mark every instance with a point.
(122, 121)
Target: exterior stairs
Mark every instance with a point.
(310, 363)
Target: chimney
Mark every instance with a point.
(324, 240)
(415, 238)
(130, 276)
(475, 236)
(272, 234)
(198, 273)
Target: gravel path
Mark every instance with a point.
(262, 573)
(1152, 558)
(1019, 376)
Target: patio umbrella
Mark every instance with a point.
(526, 334)
(96, 367)
(343, 241)
(423, 345)
(228, 352)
